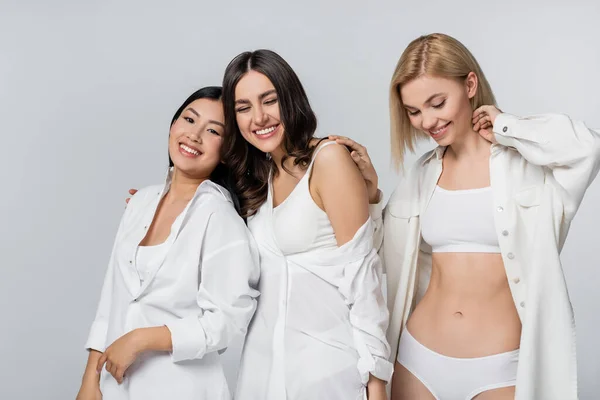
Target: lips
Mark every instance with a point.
(189, 151)
(438, 132)
(266, 133)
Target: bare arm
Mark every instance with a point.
(341, 189)
(90, 383)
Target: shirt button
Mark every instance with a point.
(516, 280)
(510, 256)
(146, 227)
(522, 304)
(500, 209)
(135, 300)
(504, 233)
(504, 129)
(130, 262)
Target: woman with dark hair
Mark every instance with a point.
(319, 329)
(181, 277)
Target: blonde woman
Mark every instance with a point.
(472, 235)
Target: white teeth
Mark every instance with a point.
(189, 149)
(439, 130)
(265, 131)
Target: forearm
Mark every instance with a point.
(91, 374)
(376, 388)
(157, 338)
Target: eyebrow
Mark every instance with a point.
(427, 101)
(193, 111)
(216, 123)
(198, 115)
(260, 97)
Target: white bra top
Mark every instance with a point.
(299, 224)
(460, 221)
(148, 259)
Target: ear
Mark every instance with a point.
(471, 84)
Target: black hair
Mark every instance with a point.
(222, 174)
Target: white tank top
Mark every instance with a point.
(299, 224)
(148, 259)
(460, 221)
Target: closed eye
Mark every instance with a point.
(439, 105)
(242, 109)
(413, 113)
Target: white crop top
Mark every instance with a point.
(460, 221)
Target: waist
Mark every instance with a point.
(468, 309)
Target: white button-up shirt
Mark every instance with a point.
(203, 291)
(539, 172)
(319, 330)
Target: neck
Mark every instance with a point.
(277, 156)
(471, 144)
(183, 187)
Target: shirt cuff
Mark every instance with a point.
(378, 367)
(376, 209)
(97, 338)
(187, 338)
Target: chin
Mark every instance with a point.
(269, 145)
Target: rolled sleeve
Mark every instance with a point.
(369, 318)
(188, 339)
(97, 336)
(226, 298)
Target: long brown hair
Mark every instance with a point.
(250, 166)
(438, 55)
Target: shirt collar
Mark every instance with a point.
(438, 153)
(205, 187)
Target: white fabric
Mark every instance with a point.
(539, 173)
(202, 291)
(451, 378)
(319, 329)
(451, 232)
(148, 259)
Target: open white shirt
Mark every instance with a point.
(203, 290)
(539, 172)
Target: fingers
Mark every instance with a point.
(362, 164)
(132, 191)
(362, 150)
(483, 120)
(110, 367)
(127, 200)
(119, 374)
(101, 362)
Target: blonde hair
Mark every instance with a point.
(436, 55)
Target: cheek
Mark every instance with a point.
(243, 121)
(275, 112)
(415, 121)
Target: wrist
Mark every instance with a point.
(375, 196)
(141, 339)
(375, 382)
(91, 377)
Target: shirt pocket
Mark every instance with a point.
(403, 209)
(527, 205)
(529, 197)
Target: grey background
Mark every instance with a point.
(87, 90)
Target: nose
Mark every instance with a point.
(429, 121)
(195, 134)
(260, 117)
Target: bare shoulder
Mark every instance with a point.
(332, 156)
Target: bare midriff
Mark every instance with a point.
(468, 310)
